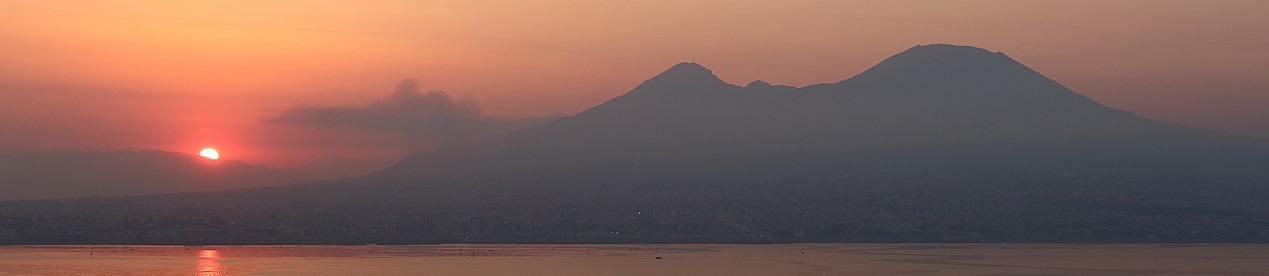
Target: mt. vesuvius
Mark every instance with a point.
(937, 143)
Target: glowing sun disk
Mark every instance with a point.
(209, 153)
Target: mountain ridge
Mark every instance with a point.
(685, 114)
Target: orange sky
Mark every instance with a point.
(177, 76)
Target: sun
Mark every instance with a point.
(209, 153)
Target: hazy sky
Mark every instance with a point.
(171, 75)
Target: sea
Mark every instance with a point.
(642, 259)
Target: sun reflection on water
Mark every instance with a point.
(209, 263)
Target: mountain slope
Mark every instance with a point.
(937, 104)
(61, 174)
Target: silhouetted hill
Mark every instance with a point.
(937, 143)
(66, 173)
(335, 167)
(949, 106)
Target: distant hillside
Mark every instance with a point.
(61, 174)
(950, 107)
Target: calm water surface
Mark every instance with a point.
(783, 259)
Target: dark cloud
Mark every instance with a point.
(426, 120)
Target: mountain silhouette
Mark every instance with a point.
(941, 106)
(937, 143)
